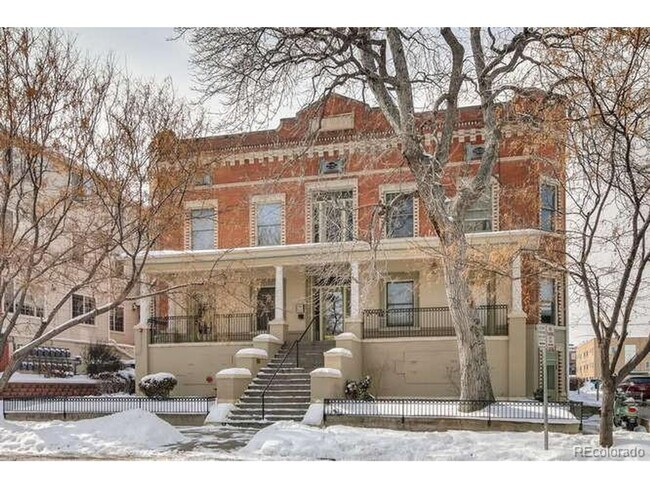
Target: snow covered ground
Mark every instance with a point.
(289, 440)
(127, 433)
(586, 394)
(137, 434)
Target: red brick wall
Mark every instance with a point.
(518, 179)
(4, 357)
(22, 390)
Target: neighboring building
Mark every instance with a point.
(588, 357)
(114, 328)
(332, 234)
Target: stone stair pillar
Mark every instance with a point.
(252, 359)
(231, 384)
(268, 343)
(326, 383)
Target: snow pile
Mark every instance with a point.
(219, 413)
(121, 433)
(290, 440)
(314, 415)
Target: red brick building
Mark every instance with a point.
(317, 224)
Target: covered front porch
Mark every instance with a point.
(399, 299)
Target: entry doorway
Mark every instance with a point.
(331, 305)
(265, 310)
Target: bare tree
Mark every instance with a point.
(91, 169)
(604, 76)
(254, 71)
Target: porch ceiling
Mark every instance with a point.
(315, 253)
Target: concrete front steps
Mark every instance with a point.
(288, 397)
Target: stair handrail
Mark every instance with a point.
(282, 362)
(297, 343)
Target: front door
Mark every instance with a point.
(330, 308)
(265, 307)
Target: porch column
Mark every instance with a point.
(354, 290)
(517, 361)
(516, 284)
(278, 326)
(354, 322)
(145, 302)
(279, 293)
(141, 337)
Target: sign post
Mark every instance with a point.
(546, 341)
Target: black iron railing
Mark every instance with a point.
(429, 322)
(296, 345)
(207, 328)
(404, 408)
(107, 405)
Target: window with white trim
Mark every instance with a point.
(268, 224)
(547, 301)
(478, 218)
(548, 207)
(81, 305)
(333, 216)
(202, 228)
(117, 319)
(400, 302)
(399, 214)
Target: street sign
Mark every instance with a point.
(546, 336)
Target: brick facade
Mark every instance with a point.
(49, 389)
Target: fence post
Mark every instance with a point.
(64, 408)
(325, 403)
(489, 414)
(581, 405)
(403, 402)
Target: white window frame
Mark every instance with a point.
(544, 181)
(349, 184)
(200, 205)
(112, 319)
(408, 187)
(256, 201)
(88, 303)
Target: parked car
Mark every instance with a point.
(637, 387)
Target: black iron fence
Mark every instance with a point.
(403, 408)
(106, 405)
(429, 322)
(206, 328)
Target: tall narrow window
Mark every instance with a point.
(117, 319)
(269, 224)
(400, 301)
(547, 305)
(333, 216)
(478, 218)
(202, 222)
(399, 218)
(548, 207)
(81, 305)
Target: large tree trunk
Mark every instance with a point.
(607, 413)
(475, 380)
